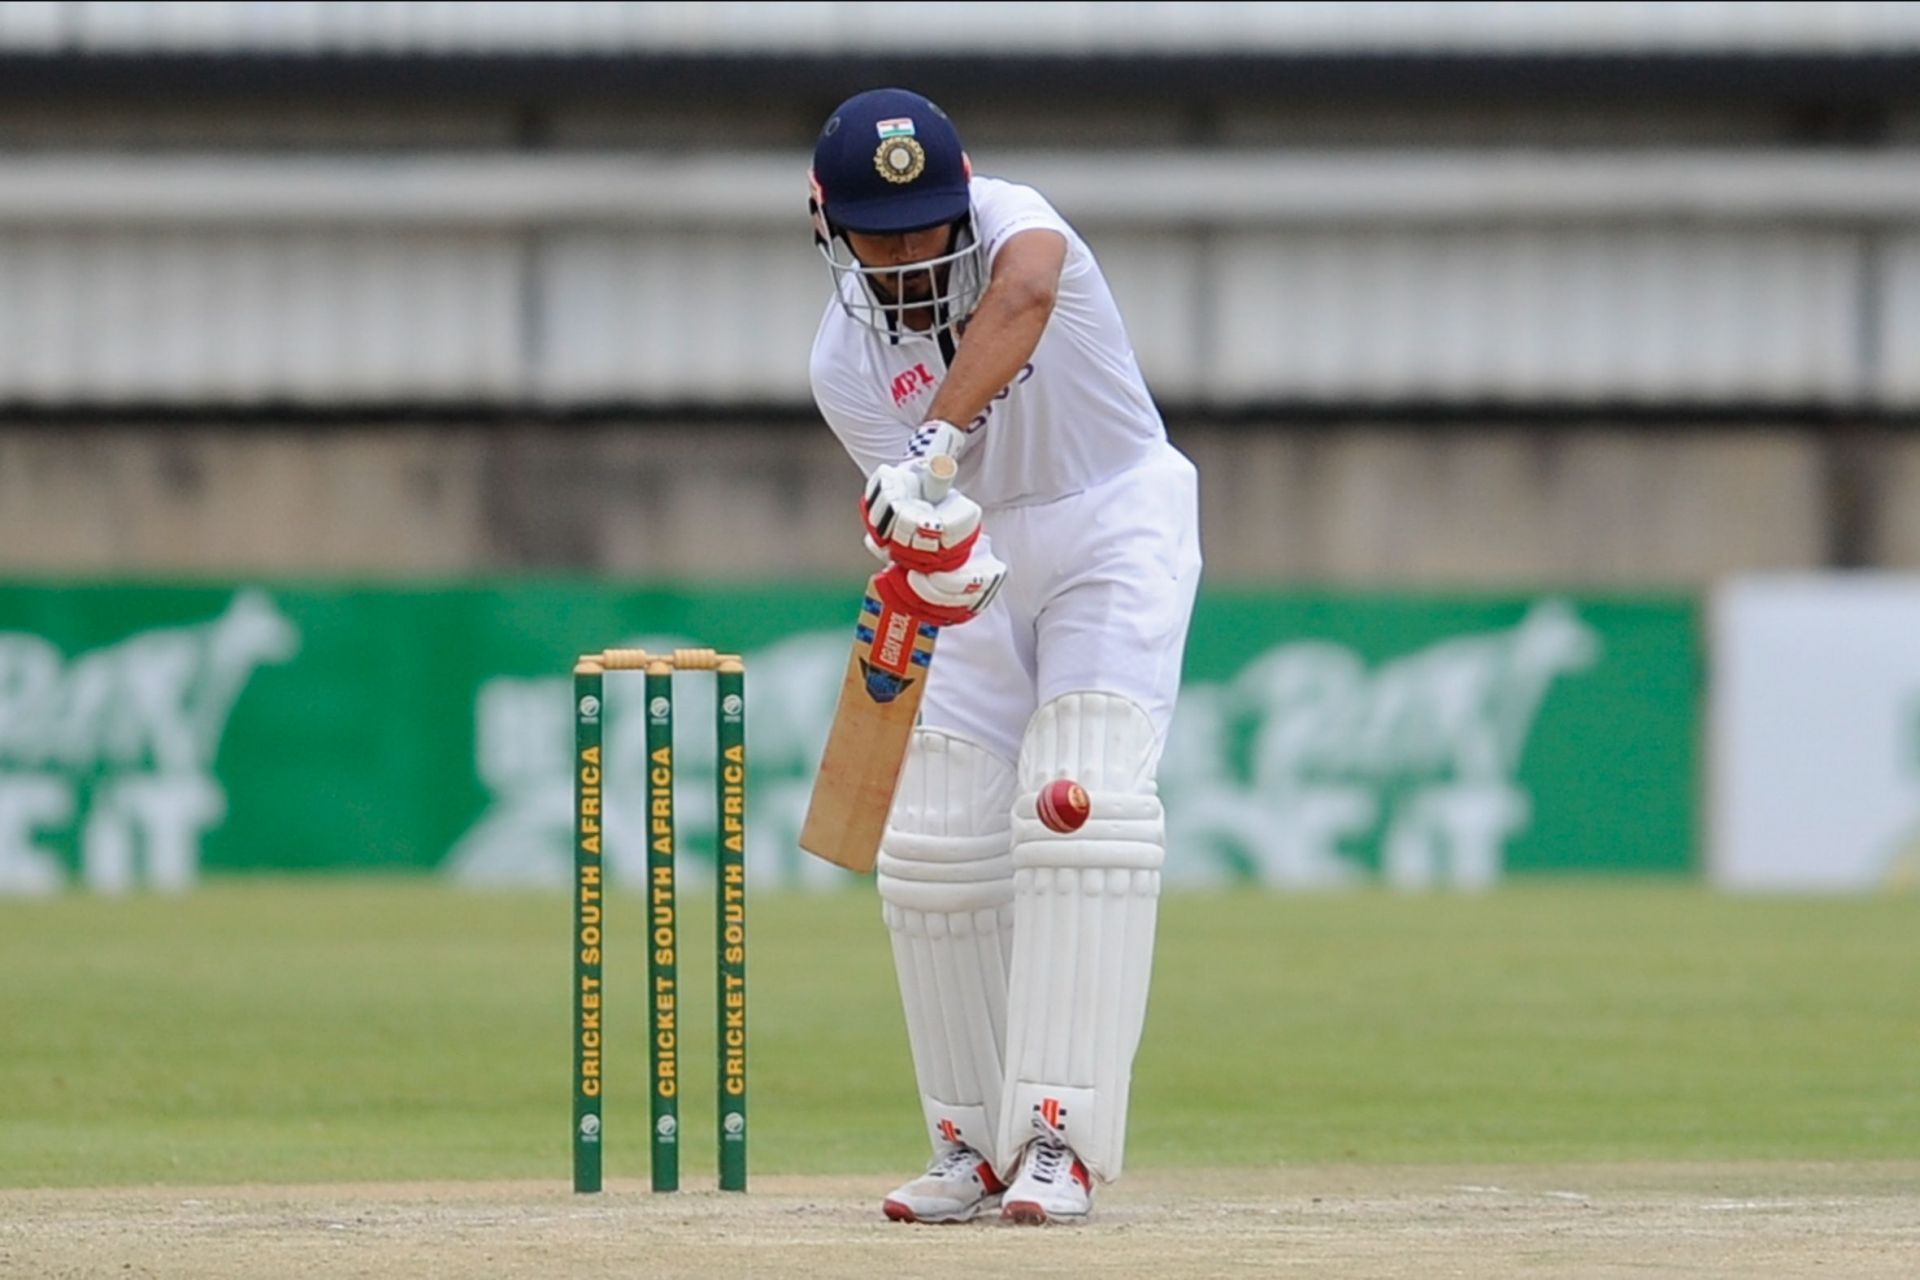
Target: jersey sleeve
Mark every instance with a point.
(1007, 209)
(870, 436)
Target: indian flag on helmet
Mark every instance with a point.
(899, 127)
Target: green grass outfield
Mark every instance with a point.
(324, 1030)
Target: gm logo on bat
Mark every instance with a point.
(882, 686)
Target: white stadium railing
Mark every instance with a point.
(1174, 188)
(562, 27)
(1657, 278)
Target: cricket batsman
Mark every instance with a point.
(969, 319)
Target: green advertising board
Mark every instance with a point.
(1436, 740)
(151, 734)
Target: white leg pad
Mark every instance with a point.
(946, 892)
(1087, 902)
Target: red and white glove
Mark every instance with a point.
(905, 528)
(947, 597)
(912, 520)
(941, 570)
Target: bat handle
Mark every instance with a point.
(941, 469)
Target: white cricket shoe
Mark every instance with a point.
(1052, 1186)
(958, 1185)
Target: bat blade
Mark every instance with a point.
(860, 769)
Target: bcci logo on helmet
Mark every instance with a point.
(900, 160)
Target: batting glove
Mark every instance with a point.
(946, 597)
(903, 524)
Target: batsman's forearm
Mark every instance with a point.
(999, 341)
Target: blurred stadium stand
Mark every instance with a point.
(1468, 293)
(837, 28)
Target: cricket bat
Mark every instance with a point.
(879, 702)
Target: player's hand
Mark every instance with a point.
(905, 528)
(946, 597)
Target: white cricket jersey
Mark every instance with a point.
(1077, 415)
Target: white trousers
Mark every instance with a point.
(1098, 597)
(1097, 602)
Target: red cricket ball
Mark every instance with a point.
(1063, 805)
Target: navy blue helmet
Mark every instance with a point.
(889, 162)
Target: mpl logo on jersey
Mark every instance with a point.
(911, 383)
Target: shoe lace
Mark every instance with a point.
(1049, 1156)
(954, 1160)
